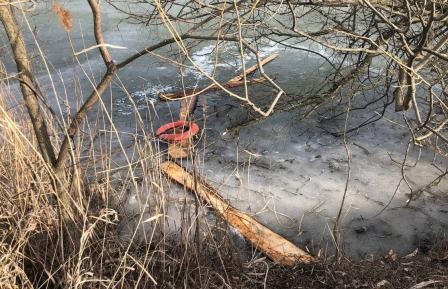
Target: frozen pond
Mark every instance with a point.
(287, 172)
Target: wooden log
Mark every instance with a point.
(253, 68)
(234, 82)
(272, 244)
(177, 151)
(188, 93)
(188, 104)
(187, 107)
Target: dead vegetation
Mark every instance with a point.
(58, 207)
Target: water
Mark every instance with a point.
(138, 84)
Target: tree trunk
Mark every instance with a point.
(28, 89)
(27, 83)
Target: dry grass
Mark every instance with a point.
(35, 252)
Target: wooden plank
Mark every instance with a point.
(188, 93)
(272, 244)
(254, 68)
(234, 82)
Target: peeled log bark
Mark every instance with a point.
(272, 244)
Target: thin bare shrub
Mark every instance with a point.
(62, 198)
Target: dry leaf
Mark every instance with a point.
(411, 255)
(391, 256)
(384, 284)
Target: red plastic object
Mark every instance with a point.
(193, 129)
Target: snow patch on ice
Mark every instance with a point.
(205, 58)
(141, 99)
